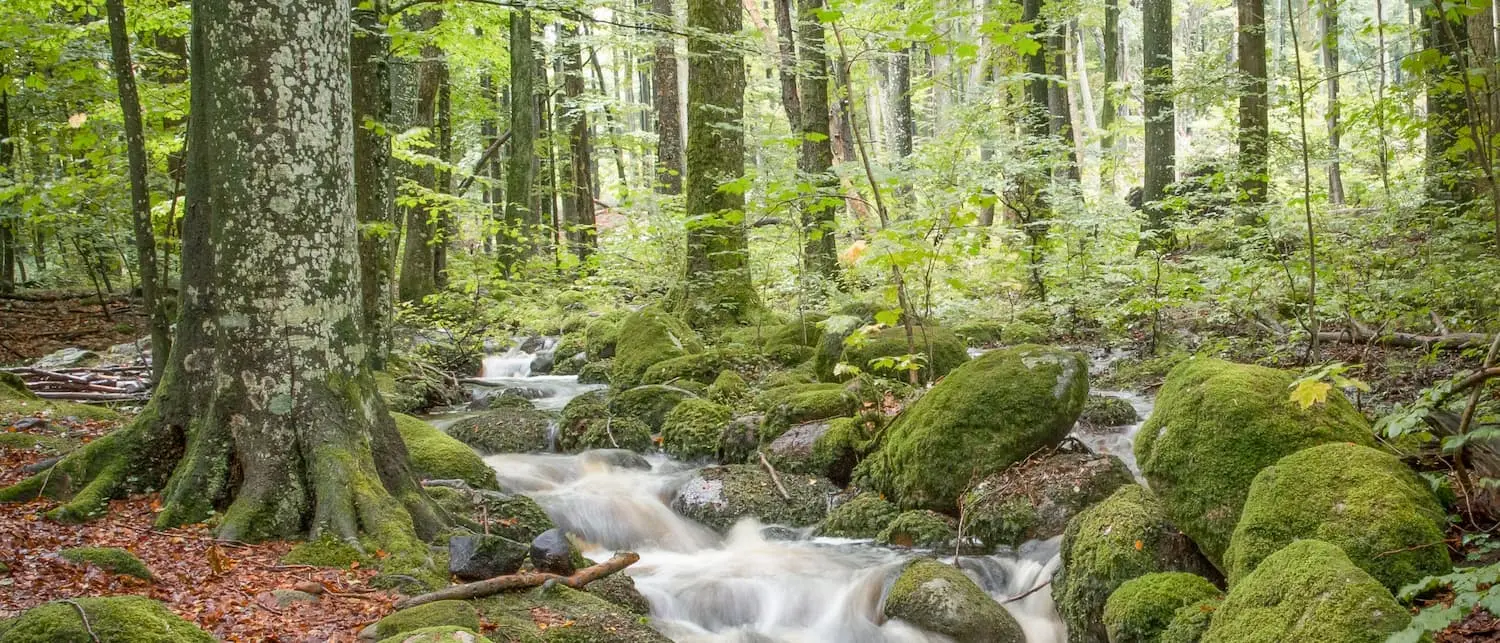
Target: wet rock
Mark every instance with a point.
(506, 430)
(1307, 591)
(1124, 537)
(1142, 608)
(436, 614)
(825, 448)
(647, 337)
(474, 557)
(922, 529)
(65, 358)
(589, 618)
(985, 416)
(617, 458)
(595, 372)
(32, 424)
(692, 430)
(649, 404)
(939, 598)
(620, 590)
(537, 344)
(943, 351)
(498, 398)
(434, 455)
(720, 496)
(1035, 499)
(284, 598)
(110, 618)
(513, 516)
(552, 553)
(798, 403)
(1104, 412)
(1216, 425)
(865, 516)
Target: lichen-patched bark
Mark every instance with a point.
(268, 398)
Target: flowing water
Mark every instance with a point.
(753, 584)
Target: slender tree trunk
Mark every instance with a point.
(418, 263)
(1447, 176)
(1161, 141)
(786, 64)
(520, 169)
(580, 231)
(1059, 111)
(1382, 147)
(1255, 124)
(1033, 208)
(815, 161)
(668, 103)
(1312, 240)
(717, 288)
(369, 52)
(1331, 82)
(444, 231)
(9, 217)
(1111, 79)
(267, 417)
(898, 101)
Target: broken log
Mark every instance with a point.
(72, 396)
(1451, 341)
(492, 586)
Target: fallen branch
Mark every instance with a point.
(774, 477)
(1026, 593)
(1450, 341)
(92, 397)
(492, 586)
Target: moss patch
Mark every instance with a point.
(1103, 411)
(601, 335)
(649, 404)
(440, 613)
(800, 403)
(1363, 500)
(986, 415)
(865, 516)
(647, 337)
(1036, 499)
(48, 444)
(572, 617)
(1142, 608)
(440, 634)
(941, 351)
(693, 428)
(1215, 426)
(1189, 622)
(1307, 591)
(324, 552)
(729, 389)
(918, 528)
(113, 618)
(505, 430)
(434, 455)
(939, 598)
(720, 496)
(111, 559)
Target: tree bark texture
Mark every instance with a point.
(786, 64)
(520, 169)
(1161, 136)
(815, 158)
(1255, 124)
(418, 264)
(369, 70)
(1447, 171)
(1331, 84)
(580, 228)
(668, 103)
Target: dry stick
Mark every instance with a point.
(1026, 593)
(85, 617)
(774, 478)
(489, 587)
(1312, 247)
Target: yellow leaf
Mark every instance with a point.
(1139, 545)
(77, 120)
(1310, 392)
(851, 255)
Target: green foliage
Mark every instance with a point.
(1471, 588)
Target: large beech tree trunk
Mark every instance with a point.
(580, 226)
(1161, 121)
(419, 260)
(520, 167)
(267, 415)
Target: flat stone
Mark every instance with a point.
(481, 556)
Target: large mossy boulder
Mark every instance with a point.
(1307, 591)
(1035, 500)
(1126, 536)
(111, 619)
(646, 337)
(601, 335)
(864, 516)
(513, 429)
(718, 497)
(1215, 426)
(439, 634)
(828, 448)
(435, 614)
(729, 388)
(939, 598)
(1189, 622)
(650, 404)
(1365, 501)
(985, 416)
(110, 559)
(1142, 608)
(572, 616)
(435, 455)
(792, 343)
(788, 405)
(941, 351)
(693, 428)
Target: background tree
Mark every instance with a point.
(1161, 124)
(1255, 123)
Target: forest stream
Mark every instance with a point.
(757, 582)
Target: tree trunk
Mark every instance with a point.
(520, 169)
(815, 160)
(898, 101)
(418, 263)
(717, 288)
(369, 69)
(786, 64)
(267, 417)
(1255, 124)
(442, 215)
(1033, 209)
(1060, 119)
(668, 103)
(1447, 173)
(1161, 141)
(580, 229)
(1111, 79)
(9, 230)
(1331, 81)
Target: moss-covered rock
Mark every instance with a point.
(941, 351)
(824, 448)
(720, 496)
(504, 430)
(699, 367)
(1124, 537)
(620, 590)
(793, 343)
(45, 444)
(979, 333)
(574, 617)
(435, 614)
(729, 389)
(326, 551)
(740, 441)
(693, 429)
(986, 415)
(919, 528)
(1307, 591)
(111, 559)
(802, 374)
(1105, 411)
(649, 404)
(798, 403)
(1035, 499)
(600, 336)
(1215, 426)
(614, 433)
(1365, 501)
(595, 372)
(1189, 622)
(940, 598)
(569, 348)
(439, 634)
(112, 619)
(514, 516)
(647, 337)
(864, 516)
(1142, 608)
(435, 455)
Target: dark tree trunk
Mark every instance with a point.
(580, 229)
(1161, 124)
(1111, 104)
(898, 102)
(717, 288)
(267, 417)
(815, 160)
(669, 151)
(369, 71)
(1033, 209)
(418, 263)
(786, 64)
(1255, 127)
(8, 228)
(1058, 108)
(442, 216)
(519, 168)
(1331, 82)
(1447, 172)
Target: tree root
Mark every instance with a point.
(492, 586)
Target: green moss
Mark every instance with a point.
(600, 336)
(1104, 411)
(650, 404)
(702, 367)
(829, 449)
(692, 430)
(1307, 591)
(918, 528)
(1138, 373)
(11, 385)
(986, 415)
(1189, 622)
(865, 516)
(647, 337)
(802, 374)
(568, 347)
(980, 332)
(577, 617)
(620, 590)
(729, 389)
(595, 372)
(324, 552)
(793, 343)
(939, 598)
(1124, 537)
(800, 403)
(941, 351)
(439, 634)
(505, 430)
(1215, 426)
(16, 399)
(1025, 332)
(720, 496)
(436, 456)
(1142, 608)
(516, 517)
(1363, 500)
(435, 614)
(111, 559)
(112, 619)
(1035, 500)
(47, 444)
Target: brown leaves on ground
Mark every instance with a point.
(33, 324)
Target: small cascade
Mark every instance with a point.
(512, 370)
(1120, 441)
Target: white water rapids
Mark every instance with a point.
(752, 584)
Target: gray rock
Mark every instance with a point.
(797, 442)
(480, 556)
(32, 424)
(63, 358)
(552, 553)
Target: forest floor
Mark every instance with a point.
(35, 323)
